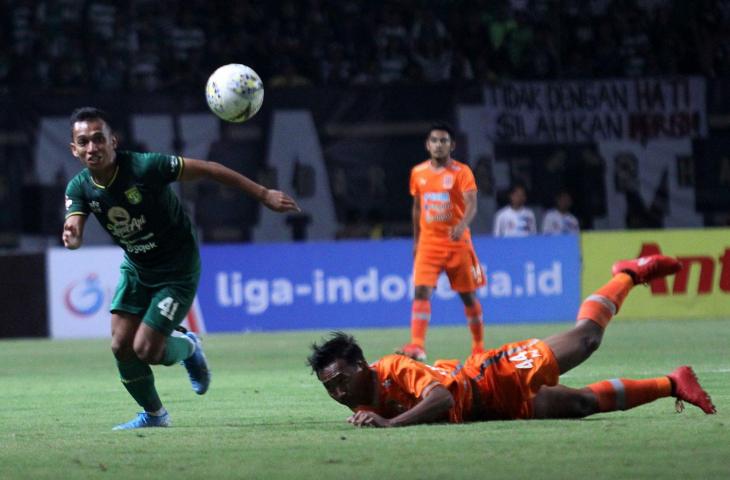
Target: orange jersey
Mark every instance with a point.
(508, 378)
(403, 382)
(440, 192)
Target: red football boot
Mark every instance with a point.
(416, 352)
(646, 269)
(688, 389)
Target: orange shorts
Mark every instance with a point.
(460, 264)
(509, 377)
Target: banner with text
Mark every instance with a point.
(596, 110)
(700, 290)
(368, 284)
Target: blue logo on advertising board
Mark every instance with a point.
(368, 284)
(84, 297)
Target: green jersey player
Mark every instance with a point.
(130, 195)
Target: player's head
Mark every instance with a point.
(92, 139)
(341, 367)
(517, 195)
(440, 141)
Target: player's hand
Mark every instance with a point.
(280, 202)
(457, 231)
(71, 238)
(368, 419)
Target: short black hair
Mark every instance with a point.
(338, 345)
(441, 126)
(82, 114)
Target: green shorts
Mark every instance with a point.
(162, 307)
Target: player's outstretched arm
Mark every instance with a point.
(434, 407)
(273, 199)
(73, 231)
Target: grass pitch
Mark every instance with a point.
(266, 416)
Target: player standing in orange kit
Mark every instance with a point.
(444, 203)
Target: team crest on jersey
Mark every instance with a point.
(448, 181)
(95, 206)
(133, 195)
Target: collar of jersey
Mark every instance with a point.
(104, 187)
(440, 168)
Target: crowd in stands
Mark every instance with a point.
(148, 45)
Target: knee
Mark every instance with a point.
(590, 338)
(590, 343)
(146, 352)
(122, 349)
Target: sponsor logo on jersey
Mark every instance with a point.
(69, 202)
(436, 196)
(133, 195)
(122, 225)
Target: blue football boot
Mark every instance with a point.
(145, 420)
(197, 366)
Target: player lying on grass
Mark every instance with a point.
(517, 381)
(129, 194)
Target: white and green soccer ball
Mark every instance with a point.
(234, 92)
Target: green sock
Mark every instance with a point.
(139, 381)
(177, 349)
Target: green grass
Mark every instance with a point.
(266, 416)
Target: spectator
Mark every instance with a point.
(559, 220)
(515, 219)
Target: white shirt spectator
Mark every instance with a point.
(556, 223)
(514, 223)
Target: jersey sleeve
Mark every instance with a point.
(74, 201)
(413, 377)
(163, 169)
(467, 183)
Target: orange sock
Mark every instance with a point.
(420, 316)
(607, 300)
(476, 326)
(623, 394)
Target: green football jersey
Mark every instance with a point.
(142, 214)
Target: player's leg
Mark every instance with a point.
(129, 303)
(426, 268)
(621, 394)
(574, 346)
(156, 343)
(135, 374)
(474, 320)
(560, 401)
(466, 276)
(420, 318)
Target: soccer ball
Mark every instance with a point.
(234, 92)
